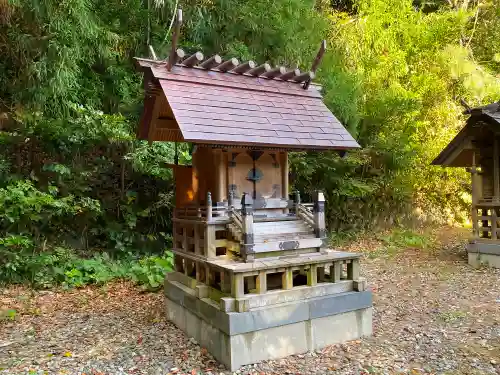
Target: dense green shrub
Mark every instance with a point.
(62, 266)
(73, 176)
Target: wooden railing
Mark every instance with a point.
(190, 212)
(236, 228)
(309, 206)
(236, 218)
(305, 213)
(312, 213)
(199, 212)
(486, 221)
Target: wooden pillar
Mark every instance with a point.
(261, 282)
(312, 275)
(210, 248)
(319, 215)
(237, 287)
(248, 237)
(220, 176)
(209, 207)
(296, 202)
(353, 270)
(493, 223)
(287, 280)
(475, 196)
(284, 175)
(335, 272)
(185, 245)
(230, 199)
(496, 171)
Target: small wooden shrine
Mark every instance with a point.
(477, 148)
(253, 279)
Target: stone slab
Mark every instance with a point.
(276, 342)
(339, 328)
(268, 318)
(272, 343)
(341, 303)
(264, 317)
(177, 291)
(477, 260)
(484, 248)
(175, 313)
(183, 279)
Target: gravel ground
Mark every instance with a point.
(432, 315)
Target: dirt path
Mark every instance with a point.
(433, 314)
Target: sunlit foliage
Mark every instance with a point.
(70, 99)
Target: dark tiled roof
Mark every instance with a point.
(489, 115)
(237, 109)
(491, 110)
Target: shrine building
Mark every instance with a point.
(254, 278)
(477, 148)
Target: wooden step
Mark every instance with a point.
(278, 226)
(275, 219)
(287, 245)
(279, 238)
(305, 232)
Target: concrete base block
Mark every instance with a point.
(238, 350)
(477, 260)
(340, 328)
(269, 332)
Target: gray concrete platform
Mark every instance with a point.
(269, 332)
(477, 260)
(482, 253)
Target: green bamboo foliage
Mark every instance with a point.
(70, 100)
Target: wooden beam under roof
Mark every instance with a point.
(166, 123)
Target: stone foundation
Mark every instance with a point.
(272, 331)
(477, 260)
(484, 254)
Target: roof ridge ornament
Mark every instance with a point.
(193, 60)
(211, 62)
(175, 38)
(228, 65)
(232, 65)
(244, 68)
(316, 62)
